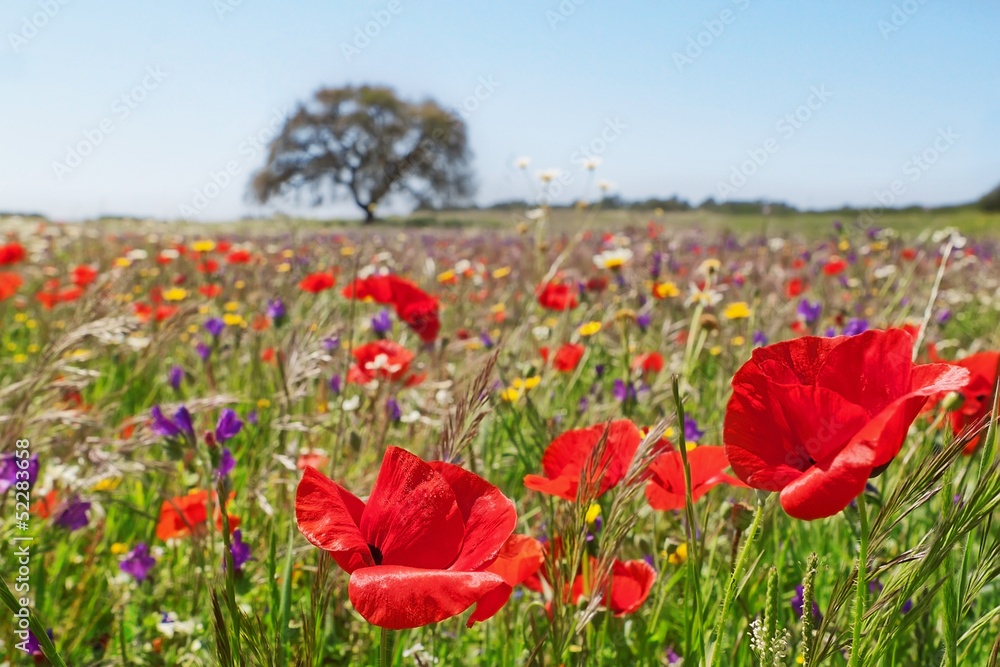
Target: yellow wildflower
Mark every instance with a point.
(203, 245)
(590, 328)
(175, 294)
(593, 512)
(679, 556)
(737, 311)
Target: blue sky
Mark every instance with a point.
(202, 79)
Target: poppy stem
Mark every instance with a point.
(859, 604)
(385, 652)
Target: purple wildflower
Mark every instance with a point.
(214, 326)
(175, 377)
(331, 344)
(691, 431)
(204, 351)
(644, 320)
(810, 311)
(622, 391)
(253, 417)
(228, 426)
(759, 339)
(855, 326)
(382, 323)
(239, 549)
(799, 600)
(582, 407)
(180, 425)
(334, 384)
(392, 408)
(9, 467)
(486, 340)
(276, 310)
(226, 463)
(138, 562)
(74, 515)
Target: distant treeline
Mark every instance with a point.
(990, 202)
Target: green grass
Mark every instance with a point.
(79, 381)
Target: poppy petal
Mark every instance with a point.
(412, 516)
(489, 516)
(521, 557)
(329, 516)
(398, 598)
(871, 369)
(631, 582)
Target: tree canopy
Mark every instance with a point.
(367, 144)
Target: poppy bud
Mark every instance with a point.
(625, 315)
(953, 401)
(741, 516)
(709, 322)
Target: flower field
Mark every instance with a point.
(534, 446)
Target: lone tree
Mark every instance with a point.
(367, 143)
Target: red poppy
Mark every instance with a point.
(180, 515)
(649, 363)
(223, 246)
(520, 558)
(557, 296)
(12, 253)
(413, 305)
(44, 507)
(208, 266)
(597, 284)
(9, 284)
(666, 489)
(381, 359)
(567, 357)
(566, 458)
(983, 368)
(814, 418)
(834, 266)
(210, 290)
(83, 275)
(418, 550)
(317, 282)
(631, 582)
(793, 288)
(909, 253)
(239, 257)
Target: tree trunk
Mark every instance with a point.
(369, 216)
